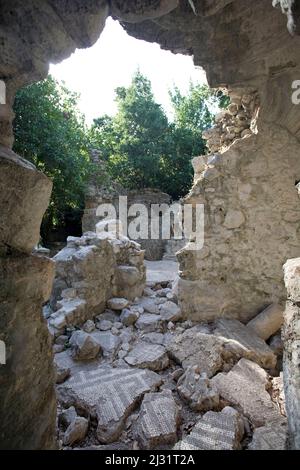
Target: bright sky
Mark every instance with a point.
(111, 62)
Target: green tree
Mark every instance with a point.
(142, 148)
(51, 133)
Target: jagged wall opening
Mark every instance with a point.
(242, 45)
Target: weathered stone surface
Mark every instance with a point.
(25, 195)
(62, 372)
(291, 372)
(158, 420)
(67, 416)
(129, 317)
(150, 305)
(104, 325)
(245, 386)
(76, 431)
(108, 395)
(270, 437)
(169, 311)
(215, 431)
(27, 397)
(197, 390)
(148, 356)
(148, 322)
(141, 11)
(108, 342)
(193, 348)
(117, 303)
(242, 342)
(88, 326)
(84, 346)
(268, 322)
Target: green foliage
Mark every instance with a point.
(50, 132)
(142, 148)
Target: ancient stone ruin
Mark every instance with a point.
(199, 359)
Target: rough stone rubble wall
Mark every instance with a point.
(107, 192)
(88, 272)
(291, 359)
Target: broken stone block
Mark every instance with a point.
(197, 390)
(108, 395)
(149, 322)
(246, 386)
(76, 431)
(84, 346)
(193, 348)
(215, 431)
(61, 372)
(158, 421)
(270, 437)
(117, 303)
(88, 326)
(276, 344)
(148, 356)
(268, 322)
(66, 417)
(104, 325)
(154, 338)
(292, 279)
(241, 341)
(170, 311)
(108, 342)
(149, 304)
(129, 317)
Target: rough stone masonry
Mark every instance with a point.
(252, 230)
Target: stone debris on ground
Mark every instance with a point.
(270, 437)
(215, 431)
(158, 420)
(84, 346)
(242, 342)
(150, 356)
(197, 390)
(246, 386)
(108, 395)
(139, 376)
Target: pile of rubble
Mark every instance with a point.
(236, 122)
(139, 376)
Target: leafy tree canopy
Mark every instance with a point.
(51, 133)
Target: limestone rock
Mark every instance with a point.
(197, 390)
(108, 342)
(62, 373)
(76, 431)
(20, 222)
(67, 416)
(148, 356)
(215, 431)
(117, 303)
(270, 437)
(109, 395)
(129, 317)
(88, 326)
(245, 386)
(150, 305)
(142, 11)
(104, 325)
(170, 311)
(268, 322)
(243, 342)
(193, 348)
(154, 338)
(158, 420)
(84, 347)
(148, 322)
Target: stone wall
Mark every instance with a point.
(26, 380)
(291, 359)
(102, 190)
(88, 272)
